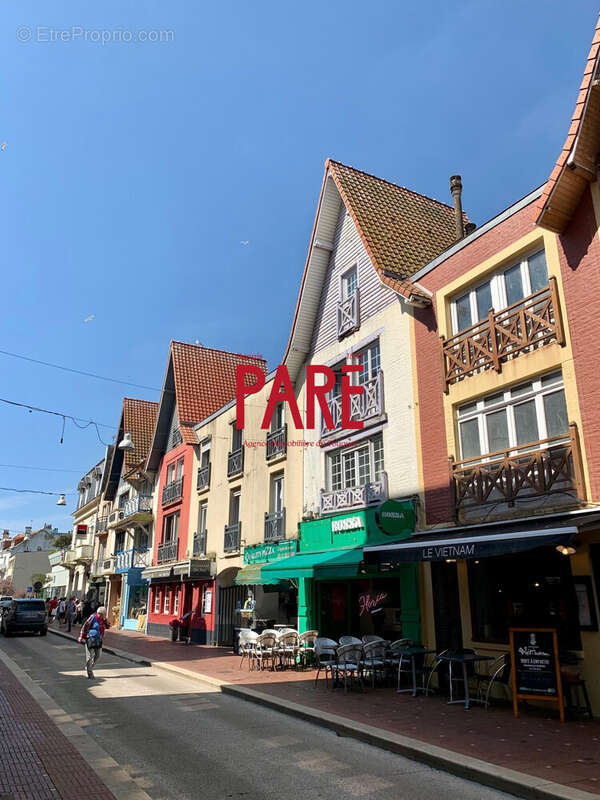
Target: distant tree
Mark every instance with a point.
(62, 541)
(6, 586)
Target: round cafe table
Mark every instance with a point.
(463, 659)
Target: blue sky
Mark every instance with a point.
(133, 171)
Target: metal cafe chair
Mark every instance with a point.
(350, 640)
(247, 644)
(499, 672)
(325, 657)
(371, 637)
(265, 649)
(374, 660)
(286, 648)
(306, 646)
(349, 664)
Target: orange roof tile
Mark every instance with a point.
(138, 419)
(575, 165)
(402, 230)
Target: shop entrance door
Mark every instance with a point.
(446, 605)
(333, 610)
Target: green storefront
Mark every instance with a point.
(338, 593)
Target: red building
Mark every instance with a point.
(198, 381)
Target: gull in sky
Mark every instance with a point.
(3, 146)
(90, 318)
(244, 241)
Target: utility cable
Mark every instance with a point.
(35, 491)
(64, 417)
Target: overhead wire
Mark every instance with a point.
(64, 417)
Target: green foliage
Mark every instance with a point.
(63, 541)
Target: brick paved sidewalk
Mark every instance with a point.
(535, 743)
(38, 762)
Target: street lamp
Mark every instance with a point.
(61, 501)
(126, 443)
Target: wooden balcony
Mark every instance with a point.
(233, 538)
(348, 314)
(366, 407)
(203, 478)
(235, 462)
(352, 497)
(172, 491)
(277, 443)
(533, 472)
(521, 328)
(275, 526)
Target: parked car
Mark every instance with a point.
(6, 597)
(24, 615)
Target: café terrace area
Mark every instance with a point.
(535, 744)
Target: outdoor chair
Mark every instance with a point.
(246, 646)
(422, 666)
(286, 648)
(350, 640)
(436, 662)
(349, 664)
(573, 680)
(265, 649)
(373, 661)
(325, 657)
(306, 646)
(371, 637)
(499, 672)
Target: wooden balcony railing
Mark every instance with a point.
(172, 491)
(235, 462)
(365, 406)
(355, 496)
(525, 326)
(533, 470)
(203, 479)
(348, 314)
(233, 538)
(277, 442)
(275, 526)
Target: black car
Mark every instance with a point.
(24, 615)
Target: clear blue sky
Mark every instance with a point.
(133, 172)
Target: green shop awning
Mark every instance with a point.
(326, 564)
(252, 575)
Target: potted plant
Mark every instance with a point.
(174, 625)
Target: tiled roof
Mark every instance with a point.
(204, 381)
(575, 166)
(401, 229)
(139, 419)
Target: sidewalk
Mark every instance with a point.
(534, 754)
(38, 761)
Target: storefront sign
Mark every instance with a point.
(448, 551)
(536, 671)
(347, 524)
(395, 517)
(370, 602)
(262, 553)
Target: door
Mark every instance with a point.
(333, 609)
(446, 605)
(230, 598)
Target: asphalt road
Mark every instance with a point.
(182, 740)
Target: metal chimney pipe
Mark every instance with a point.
(456, 189)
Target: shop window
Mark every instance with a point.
(156, 601)
(356, 466)
(167, 603)
(531, 589)
(504, 288)
(176, 602)
(518, 416)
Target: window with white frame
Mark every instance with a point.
(278, 418)
(356, 466)
(236, 438)
(205, 454)
(176, 602)
(523, 414)
(277, 492)
(156, 601)
(349, 283)
(202, 515)
(166, 604)
(503, 288)
(369, 359)
(170, 527)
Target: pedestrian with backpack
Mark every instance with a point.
(91, 635)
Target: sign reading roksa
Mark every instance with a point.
(395, 517)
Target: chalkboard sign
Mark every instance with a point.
(536, 671)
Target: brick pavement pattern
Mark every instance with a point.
(38, 762)
(535, 743)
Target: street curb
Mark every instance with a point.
(114, 777)
(495, 776)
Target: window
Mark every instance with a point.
(170, 473)
(170, 527)
(349, 283)
(166, 605)
(156, 601)
(277, 420)
(370, 361)
(534, 588)
(234, 506)
(123, 498)
(236, 438)
(356, 466)
(202, 512)
(179, 469)
(503, 289)
(519, 416)
(176, 602)
(277, 492)
(205, 454)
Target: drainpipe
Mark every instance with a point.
(456, 189)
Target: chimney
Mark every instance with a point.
(5, 534)
(456, 189)
(28, 530)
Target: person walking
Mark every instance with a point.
(70, 611)
(52, 608)
(78, 612)
(62, 607)
(92, 635)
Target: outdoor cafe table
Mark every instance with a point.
(463, 659)
(412, 653)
